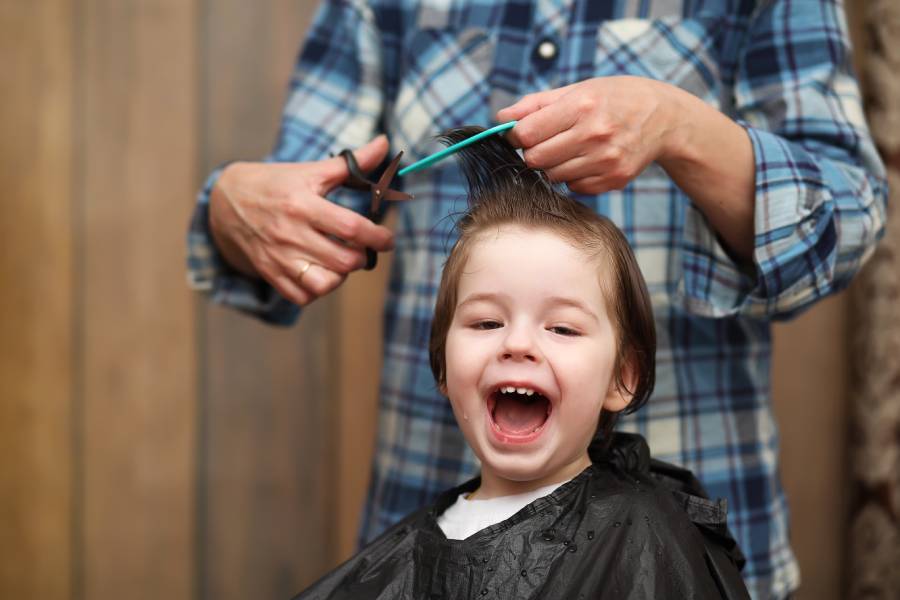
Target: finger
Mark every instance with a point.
(544, 124)
(289, 288)
(529, 104)
(333, 171)
(595, 185)
(331, 219)
(555, 151)
(328, 252)
(580, 167)
(316, 279)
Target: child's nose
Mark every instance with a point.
(519, 344)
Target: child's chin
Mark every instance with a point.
(520, 469)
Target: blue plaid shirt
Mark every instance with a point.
(779, 68)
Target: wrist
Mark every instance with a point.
(222, 220)
(228, 173)
(710, 159)
(681, 119)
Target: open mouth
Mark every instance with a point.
(518, 413)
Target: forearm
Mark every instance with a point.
(710, 158)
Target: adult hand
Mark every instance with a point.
(599, 134)
(595, 135)
(271, 220)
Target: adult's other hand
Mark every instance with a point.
(272, 220)
(599, 134)
(594, 135)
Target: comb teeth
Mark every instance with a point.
(457, 139)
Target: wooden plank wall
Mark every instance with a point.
(36, 304)
(267, 442)
(137, 73)
(809, 381)
(152, 446)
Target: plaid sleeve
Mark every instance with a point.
(820, 186)
(335, 101)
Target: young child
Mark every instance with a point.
(543, 332)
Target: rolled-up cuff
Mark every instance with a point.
(795, 241)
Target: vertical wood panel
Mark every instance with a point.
(138, 78)
(809, 381)
(268, 449)
(36, 278)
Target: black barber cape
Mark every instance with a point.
(627, 527)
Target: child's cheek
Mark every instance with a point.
(467, 350)
(462, 370)
(588, 367)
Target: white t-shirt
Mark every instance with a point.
(466, 517)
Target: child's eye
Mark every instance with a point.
(483, 325)
(563, 330)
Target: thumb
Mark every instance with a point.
(331, 172)
(529, 104)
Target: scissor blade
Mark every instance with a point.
(394, 195)
(385, 181)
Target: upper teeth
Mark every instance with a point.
(518, 390)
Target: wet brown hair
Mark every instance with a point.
(504, 191)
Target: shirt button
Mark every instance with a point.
(546, 50)
(545, 54)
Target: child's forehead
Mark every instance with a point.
(541, 258)
(527, 239)
(539, 255)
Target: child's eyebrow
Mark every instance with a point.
(484, 297)
(574, 303)
(551, 301)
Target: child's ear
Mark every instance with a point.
(442, 388)
(619, 396)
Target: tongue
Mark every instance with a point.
(515, 416)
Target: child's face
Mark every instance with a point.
(530, 315)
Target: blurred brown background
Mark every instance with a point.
(153, 446)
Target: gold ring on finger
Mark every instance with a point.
(303, 271)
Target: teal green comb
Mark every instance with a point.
(430, 160)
